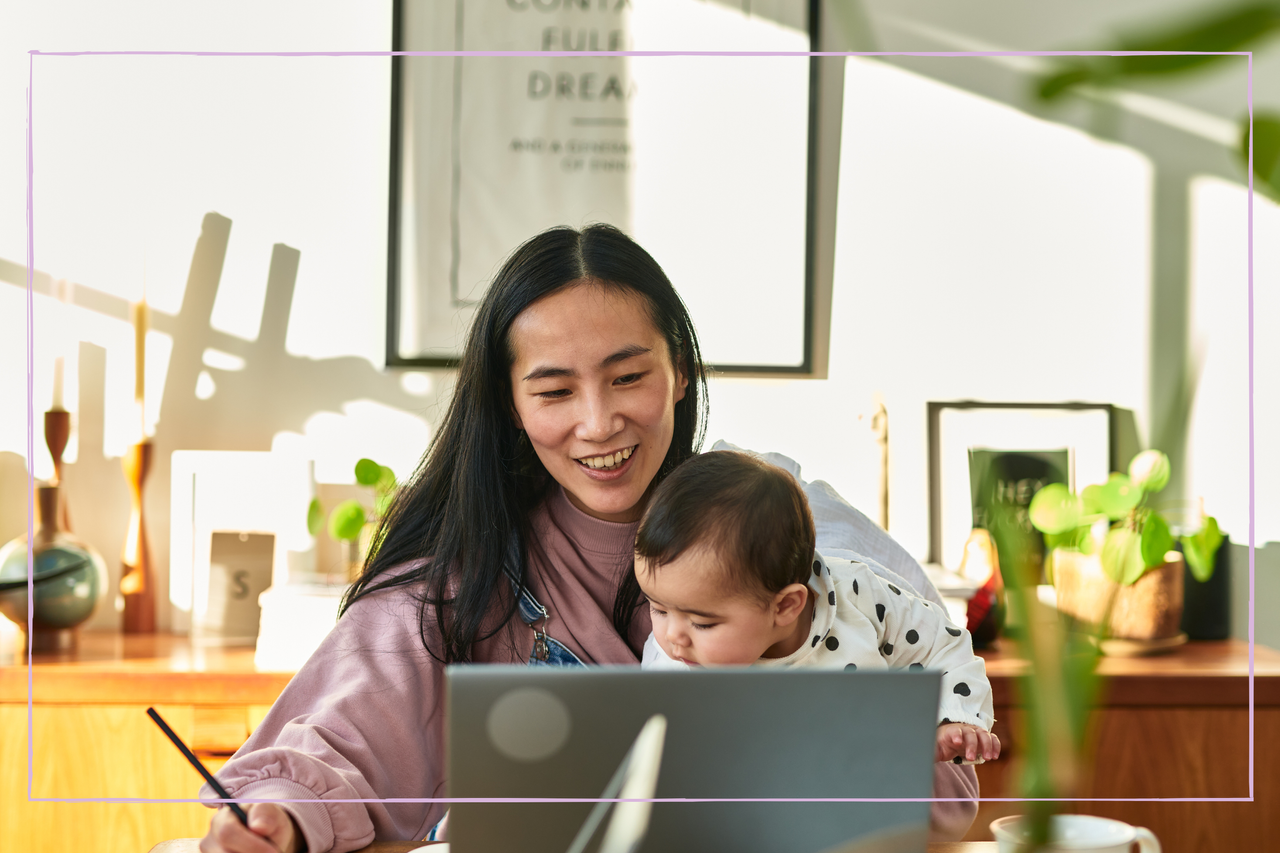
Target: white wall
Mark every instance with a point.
(941, 192)
(131, 153)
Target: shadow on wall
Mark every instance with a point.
(274, 392)
(1266, 579)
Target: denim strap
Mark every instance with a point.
(546, 650)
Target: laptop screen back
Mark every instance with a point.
(547, 732)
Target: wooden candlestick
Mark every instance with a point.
(57, 430)
(137, 580)
(880, 425)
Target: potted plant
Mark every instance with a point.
(1112, 558)
(350, 522)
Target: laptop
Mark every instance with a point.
(548, 732)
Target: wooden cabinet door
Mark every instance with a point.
(99, 752)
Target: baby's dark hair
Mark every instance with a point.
(751, 514)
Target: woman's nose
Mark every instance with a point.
(600, 419)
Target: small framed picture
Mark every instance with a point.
(239, 571)
(1007, 451)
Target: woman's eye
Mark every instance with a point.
(553, 395)
(629, 378)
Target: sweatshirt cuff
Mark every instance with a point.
(311, 815)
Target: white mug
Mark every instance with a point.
(1077, 833)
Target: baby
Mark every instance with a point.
(725, 555)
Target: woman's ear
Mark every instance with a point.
(682, 383)
(789, 603)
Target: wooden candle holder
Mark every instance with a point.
(57, 431)
(137, 580)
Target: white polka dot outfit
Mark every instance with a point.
(862, 622)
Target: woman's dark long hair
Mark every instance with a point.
(478, 483)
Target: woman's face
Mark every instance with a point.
(594, 388)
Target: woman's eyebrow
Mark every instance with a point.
(623, 354)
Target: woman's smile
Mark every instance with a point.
(611, 463)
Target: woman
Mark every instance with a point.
(580, 387)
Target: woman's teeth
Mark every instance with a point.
(609, 462)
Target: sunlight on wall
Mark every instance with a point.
(981, 254)
(1218, 443)
(235, 135)
(58, 331)
(365, 428)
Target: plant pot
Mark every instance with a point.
(1150, 609)
(1207, 612)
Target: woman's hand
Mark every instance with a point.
(271, 830)
(966, 741)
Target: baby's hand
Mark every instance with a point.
(965, 742)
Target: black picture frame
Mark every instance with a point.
(934, 431)
(808, 364)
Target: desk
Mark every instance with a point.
(1168, 726)
(192, 845)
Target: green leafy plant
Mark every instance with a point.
(1206, 35)
(1136, 535)
(347, 519)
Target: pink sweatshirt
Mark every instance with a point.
(364, 717)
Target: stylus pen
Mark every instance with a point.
(195, 762)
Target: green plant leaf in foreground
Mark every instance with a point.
(1156, 540)
(1189, 44)
(315, 517)
(1054, 510)
(368, 472)
(1149, 471)
(1266, 150)
(1122, 556)
(1117, 497)
(1200, 549)
(346, 521)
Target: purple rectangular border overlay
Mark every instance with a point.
(30, 326)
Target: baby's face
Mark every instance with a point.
(696, 620)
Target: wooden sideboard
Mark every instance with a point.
(1170, 726)
(1167, 728)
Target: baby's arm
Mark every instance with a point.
(916, 634)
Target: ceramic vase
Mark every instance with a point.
(69, 578)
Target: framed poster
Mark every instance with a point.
(706, 161)
(1007, 451)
